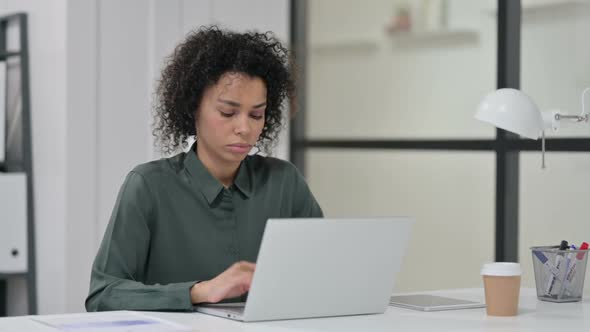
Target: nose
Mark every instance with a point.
(242, 125)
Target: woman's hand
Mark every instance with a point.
(233, 282)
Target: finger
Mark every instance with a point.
(248, 281)
(247, 265)
(243, 279)
(244, 267)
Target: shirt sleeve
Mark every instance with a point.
(305, 204)
(117, 272)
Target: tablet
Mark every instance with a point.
(425, 302)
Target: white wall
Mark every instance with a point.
(82, 139)
(93, 66)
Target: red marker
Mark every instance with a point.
(569, 276)
(580, 255)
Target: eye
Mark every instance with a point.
(226, 114)
(256, 117)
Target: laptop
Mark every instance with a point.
(321, 268)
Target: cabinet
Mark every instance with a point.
(17, 241)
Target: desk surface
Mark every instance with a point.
(533, 315)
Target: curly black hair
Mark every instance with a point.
(200, 61)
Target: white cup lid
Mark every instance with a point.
(501, 269)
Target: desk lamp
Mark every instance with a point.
(514, 111)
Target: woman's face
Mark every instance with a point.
(231, 117)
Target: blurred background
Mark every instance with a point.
(385, 126)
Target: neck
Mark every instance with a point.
(223, 171)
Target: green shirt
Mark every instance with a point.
(174, 224)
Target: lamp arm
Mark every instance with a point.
(551, 119)
(578, 118)
(584, 117)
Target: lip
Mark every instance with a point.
(240, 148)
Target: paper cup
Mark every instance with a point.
(502, 288)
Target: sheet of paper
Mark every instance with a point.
(125, 321)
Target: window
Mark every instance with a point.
(386, 125)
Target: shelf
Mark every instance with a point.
(345, 45)
(15, 27)
(434, 38)
(4, 276)
(5, 55)
(11, 166)
(400, 39)
(537, 7)
(550, 6)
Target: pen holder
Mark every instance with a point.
(559, 274)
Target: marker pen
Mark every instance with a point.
(558, 264)
(572, 270)
(545, 261)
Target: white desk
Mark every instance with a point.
(534, 315)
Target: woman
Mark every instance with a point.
(187, 229)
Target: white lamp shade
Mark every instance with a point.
(511, 110)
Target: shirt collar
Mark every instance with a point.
(208, 184)
(243, 180)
